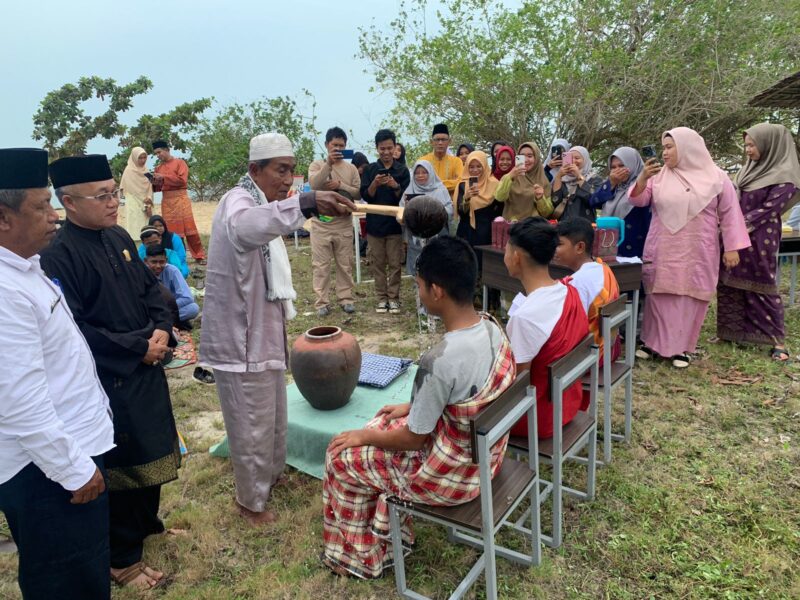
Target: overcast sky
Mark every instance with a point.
(237, 50)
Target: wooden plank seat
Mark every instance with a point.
(570, 434)
(508, 484)
(619, 370)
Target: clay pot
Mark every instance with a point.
(325, 364)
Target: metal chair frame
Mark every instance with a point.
(611, 318)
(487, 431)
(563, 373)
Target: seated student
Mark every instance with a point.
(427, 440)
(594, 280)
(151, 237)
(169, 276)
(170, 241)
(179, 299)
(546, 322)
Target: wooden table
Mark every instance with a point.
(495, 275)
(789, 248)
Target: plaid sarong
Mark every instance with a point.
(359, 480)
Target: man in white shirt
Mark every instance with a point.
(55, 421)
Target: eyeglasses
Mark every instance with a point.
(115, 195)
(441, 139)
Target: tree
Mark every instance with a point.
(220, 147)
(602, 73)
(63, 124)
(175, 126)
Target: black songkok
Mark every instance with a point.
(23, 168)
(80, 169)
(440, 128)
(160, 144)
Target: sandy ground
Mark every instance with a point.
(203, 215)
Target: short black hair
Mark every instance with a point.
(359, 158)
(537, 237)
(335, 132)
(383, 135)
(577, 229)
(450, 263)
(155, 250)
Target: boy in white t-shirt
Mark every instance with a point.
(546, 322)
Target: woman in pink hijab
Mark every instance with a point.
(692, 201)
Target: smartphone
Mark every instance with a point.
(566, 159)
(149, 176)
(410, 196)
(348, 153)
(557, 151)
(473, 181)
(519, 161)
(384, 171)
(649, 152)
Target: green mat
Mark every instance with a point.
(311, 430)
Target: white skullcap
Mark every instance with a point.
(270, 145)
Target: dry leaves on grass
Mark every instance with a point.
(736, 378)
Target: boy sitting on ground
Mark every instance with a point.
(419, 451)
(178, 296)
(151, 237)
(594, 280)
(546, 322)
(170, 277)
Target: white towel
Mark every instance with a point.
(279, 269)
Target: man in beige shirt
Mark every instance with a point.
(332, 237)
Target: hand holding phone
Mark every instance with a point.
(649, 152)
(519, 160)
(149, 176)
(347, 153)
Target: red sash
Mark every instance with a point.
(570, 329)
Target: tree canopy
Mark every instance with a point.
(220, 147)
(216, 147)
(601, 73)
(66, 127)
(63, 123)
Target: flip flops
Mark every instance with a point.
(779, 354)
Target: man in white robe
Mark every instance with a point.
(248, 297)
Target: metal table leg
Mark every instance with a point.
(357, 239)
(635, 308)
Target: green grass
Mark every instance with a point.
(702, 504)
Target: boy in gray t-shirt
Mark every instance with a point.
(453, 370)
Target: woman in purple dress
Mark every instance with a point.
(749, 305)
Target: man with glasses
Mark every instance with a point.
(448, 167)
(117, 305)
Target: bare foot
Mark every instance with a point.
(176, 531)
(138, 575)
(257, 519)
